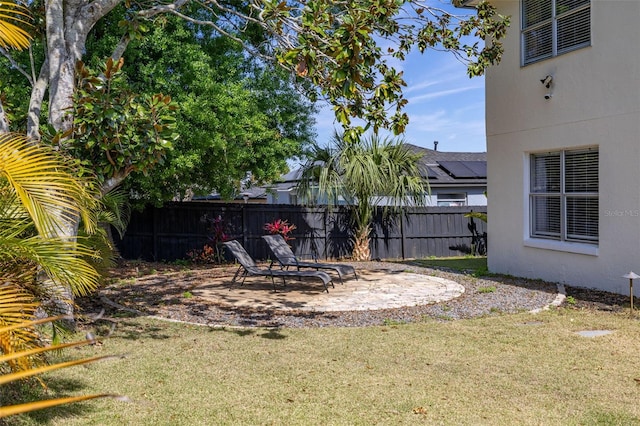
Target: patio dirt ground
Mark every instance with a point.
(385, 293)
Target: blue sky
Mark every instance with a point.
(444, 103)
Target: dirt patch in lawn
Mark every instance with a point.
(171, 291)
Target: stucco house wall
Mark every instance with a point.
(595, 102)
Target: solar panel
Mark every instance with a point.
(432, 174)
(478, 167)
(465, 169)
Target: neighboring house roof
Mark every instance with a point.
(287, 182)
(253, 193)
(452, 168)
(439, 167)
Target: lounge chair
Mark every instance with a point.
(286, 258)
(248, 267)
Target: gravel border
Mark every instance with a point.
(483, 296)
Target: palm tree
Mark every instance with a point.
(33, 181)
(35, 185)
(370, 172)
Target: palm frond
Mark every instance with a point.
(14, 219)
(116, 210)
(44, 184)
(13, 20)
(103, 253)
(19, 375)
(113, 212)
(39, 405)
(39, 194)
(17, 306)
(62, 261)
(21, 357)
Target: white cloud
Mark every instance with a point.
(441, 93)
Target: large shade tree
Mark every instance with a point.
(236, 113)
(369, 173)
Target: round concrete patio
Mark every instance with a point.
(374, 289)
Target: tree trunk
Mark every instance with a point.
(4, 123)
(35, 102)
(68, 23)
(112, 183)
(361, 251)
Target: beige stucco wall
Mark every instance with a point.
(595, 101)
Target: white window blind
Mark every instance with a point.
(564, 195)
(553, 27)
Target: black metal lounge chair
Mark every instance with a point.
(248, 267)
(286, 258)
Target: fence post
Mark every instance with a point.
(402, 237)
(324, 233)
(244, 225)
(154, 233)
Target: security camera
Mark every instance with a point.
(547, 96)
(547, 81)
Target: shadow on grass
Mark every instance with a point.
(273, 334)
(132, 330)
(31, 391)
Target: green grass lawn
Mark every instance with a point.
(522, 369)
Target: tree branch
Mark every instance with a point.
(15, 65)
(80, 19)
(32, 62)
(224, 32)
(111, 183)
(35, 103)
(121, 47)
(162, 8)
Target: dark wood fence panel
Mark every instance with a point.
(170, 232)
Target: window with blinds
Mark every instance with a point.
(554, 27)
(563, 197)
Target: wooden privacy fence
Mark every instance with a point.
(170, 232)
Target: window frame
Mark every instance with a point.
(553, 21)
(562, 195)
(452, 199)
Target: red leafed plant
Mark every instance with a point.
(211, 252)
(282, 227)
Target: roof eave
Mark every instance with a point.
(458, 184)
